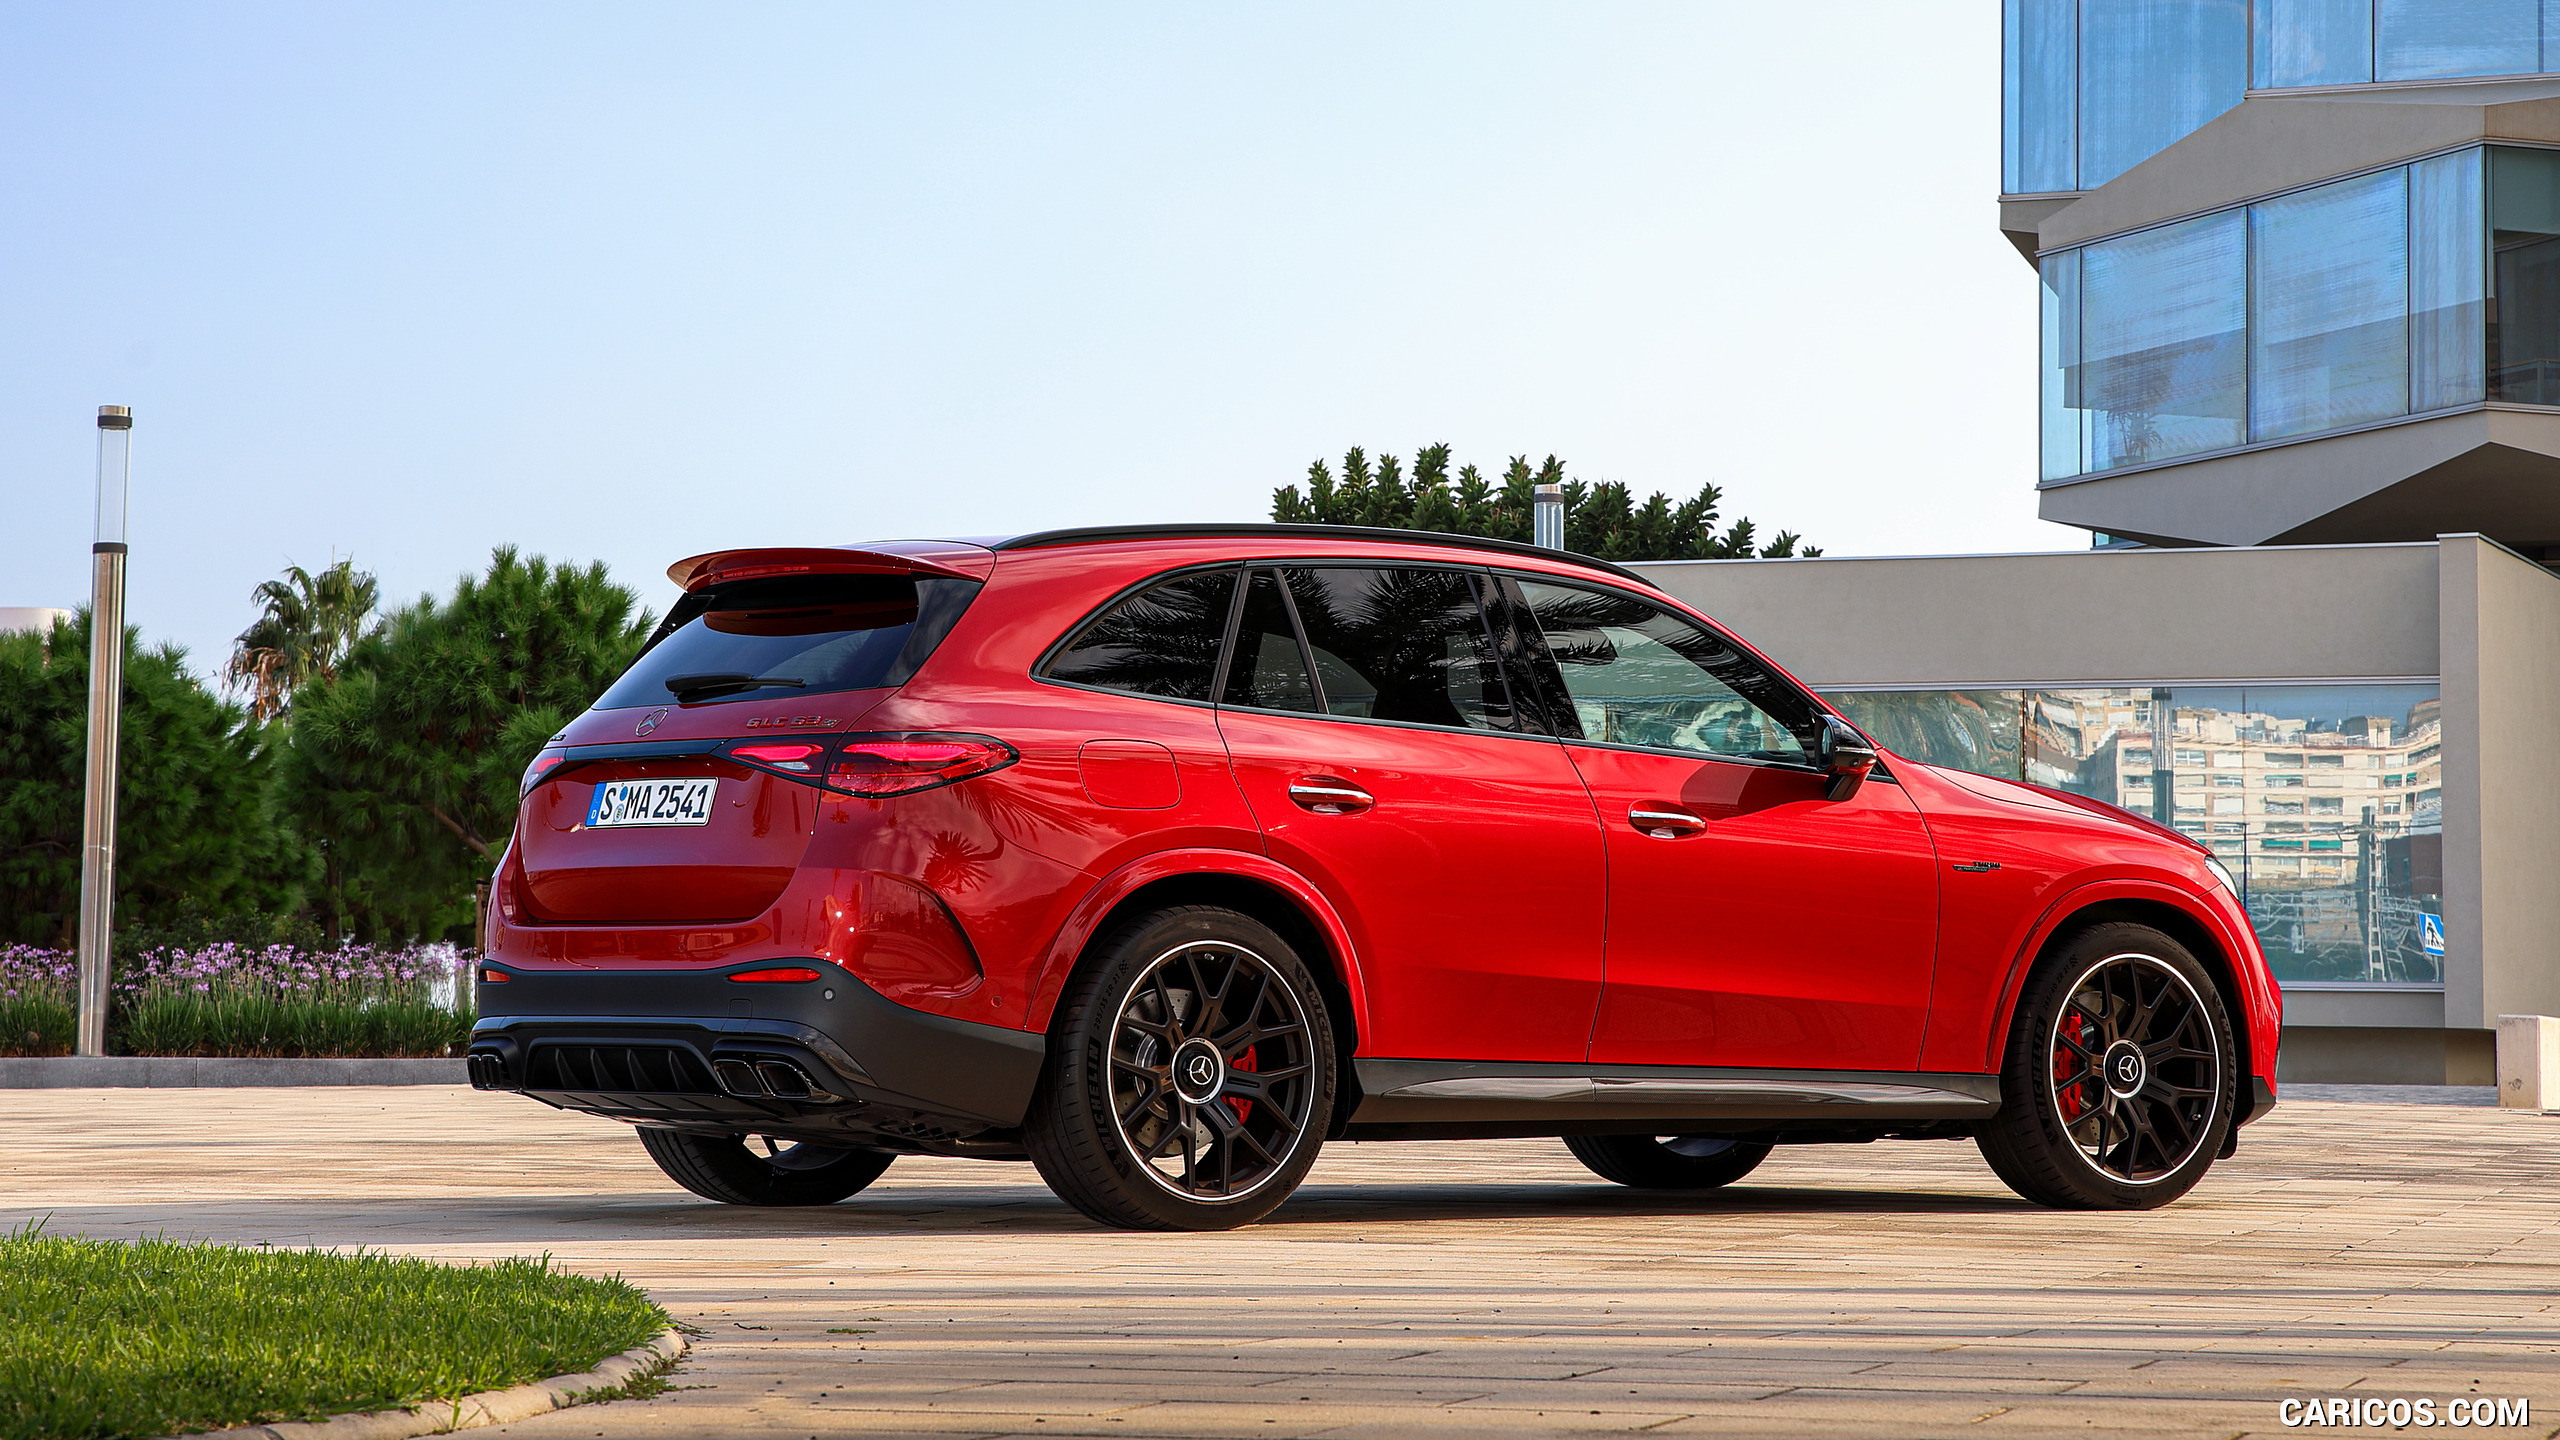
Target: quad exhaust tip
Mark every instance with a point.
(737, 1077)
(784, 1081)
(758, 1079)
(488, 1071)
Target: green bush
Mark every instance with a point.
(197, 831)
(36, 1022)
(255, 1020)
(151, 1338)
(225, 998)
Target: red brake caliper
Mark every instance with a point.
(2067, 1067)
(1243, 1108)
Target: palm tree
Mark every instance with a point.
(308, 625)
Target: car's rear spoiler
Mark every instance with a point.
(892, 557)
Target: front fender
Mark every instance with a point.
(1107, 893)
(2261, 1004)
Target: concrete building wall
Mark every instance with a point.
(2088, 617)
(14, 618)
(2276, 142)
(2502, 677)
(2402, 479)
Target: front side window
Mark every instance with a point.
(1161, 641)
(1636, 674)
(1402, 643)
(811, 634)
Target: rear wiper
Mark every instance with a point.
(688, 687)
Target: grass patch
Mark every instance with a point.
(108, 1339)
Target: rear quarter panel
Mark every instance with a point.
(1014, 853)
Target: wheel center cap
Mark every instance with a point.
(1199, 1072)
(2126, 1070)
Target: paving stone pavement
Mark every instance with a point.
(1490, 1288)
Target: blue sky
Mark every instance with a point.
(635, 281)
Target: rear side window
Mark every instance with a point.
(1161, 641)
(1402, 643)
(1268, 670)
(806, 634)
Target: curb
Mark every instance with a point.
(130, 1072)
(489, 1407)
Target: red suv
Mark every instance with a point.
(1160, 856)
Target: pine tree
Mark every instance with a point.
(404, 766)
(1604, 521)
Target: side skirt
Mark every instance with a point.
(1454, 1099)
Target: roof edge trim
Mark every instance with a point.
(1101, 534)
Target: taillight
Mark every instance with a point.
(898, 764)
(793, 758)
(543, 764)
(877, 765)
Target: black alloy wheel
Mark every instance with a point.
(1190, 1077)
(2122, 1077)
(1668, 1162)
(729, 1169)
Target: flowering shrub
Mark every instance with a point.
(234, 999)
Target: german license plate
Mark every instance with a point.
(620, 803)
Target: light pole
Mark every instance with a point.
(1546, 516)
(106, 706)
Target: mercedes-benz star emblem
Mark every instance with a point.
(1202, 1072)
(650, 721)
(2128, 1069)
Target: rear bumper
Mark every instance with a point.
(828, 1060)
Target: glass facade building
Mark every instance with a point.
(2091, 88)
(2420, 288)
(2325, 800)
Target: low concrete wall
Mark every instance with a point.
(2361, 1055)
(129, 1072)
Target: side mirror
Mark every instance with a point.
(1846, 757)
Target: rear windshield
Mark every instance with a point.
(800, 634)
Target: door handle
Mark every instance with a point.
(1327, 795)
(1664, 823)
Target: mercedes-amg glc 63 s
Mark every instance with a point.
(1161, 856)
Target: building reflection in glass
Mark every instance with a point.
(2325, 800)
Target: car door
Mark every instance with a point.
(1752, 921)
(1373, 728)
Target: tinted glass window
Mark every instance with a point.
(1636, 674)
(1161, 641)
(1401, 644)
(812, 634)
(1267, 670)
